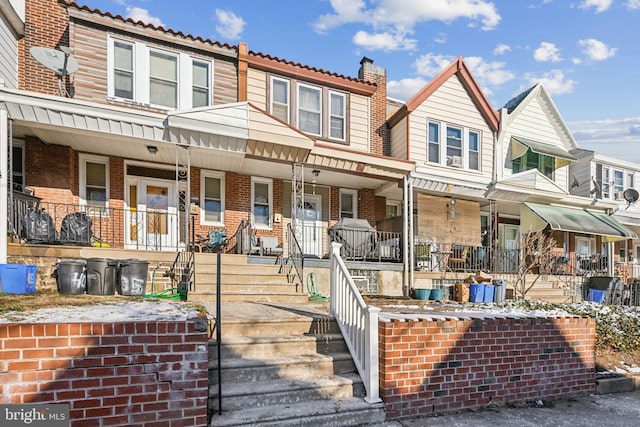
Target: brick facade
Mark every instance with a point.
(436, 366)
(380, 142)
(142, 373)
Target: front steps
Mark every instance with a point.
(290, 367)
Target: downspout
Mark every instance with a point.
(4, 175)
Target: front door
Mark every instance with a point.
(509, 236)
(153, 222)
(312, 231)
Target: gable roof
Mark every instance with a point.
(469, 83)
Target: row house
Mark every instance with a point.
(155, 136)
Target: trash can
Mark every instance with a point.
(500, 290)
(132, 277)
(476, 292)
(437, 294)
(489, 292)
(101, 276)
(18, 278)
(70, 276)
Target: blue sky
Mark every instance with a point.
(585, 51)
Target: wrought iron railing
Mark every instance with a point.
(295, 258)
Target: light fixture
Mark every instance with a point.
(315, 173)
(152, 149)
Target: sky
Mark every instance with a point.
(586, 52)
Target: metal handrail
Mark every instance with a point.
(296, 256)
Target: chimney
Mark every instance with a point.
(379, 141)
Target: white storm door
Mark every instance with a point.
(509, 236)
(156, 214)
(312, 230)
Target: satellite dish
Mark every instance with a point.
(630, 195)
(61, 62)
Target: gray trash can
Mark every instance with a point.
(500, 290)
(132, 277)
(70, 276)
(101, 276)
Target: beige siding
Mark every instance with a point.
(8, 55)
(451, 104)
(359, 123)
(257, 88)
(399, 140)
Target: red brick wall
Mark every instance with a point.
(448, 365)
(127, 373)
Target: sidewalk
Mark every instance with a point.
(607, 410)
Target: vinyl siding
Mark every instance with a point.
(257, 88)
(450, 103)
(583, 170)
(399, 140)
(8, 56)
(359, 123)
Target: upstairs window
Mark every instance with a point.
(309, 109)
(337, 111)
(200, 79)
(123, 70)
(611, 182)
(460, 147)
(474, 150)
(531, 160)
(433, 150)
(163, 79)
(280, 99)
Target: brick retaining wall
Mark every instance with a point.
(448, 364)
(142, 373)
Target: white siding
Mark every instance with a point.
(399, 140)
(450, 103)
(582, 170)
(257, 88)
(8, 55)
(359, 123)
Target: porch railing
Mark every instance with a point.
(358, 324)
(295, 258)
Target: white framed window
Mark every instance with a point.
(163, 79)
(123, 70)
(393, 209)
(262, 202)
(212, 198)
(473, 148)
(200, 83)
(310, 109)
(454, 142)
(453, 146)
(348, 203)
(606, 184)
(280, 99)
(94, 181)
(631, 182)
(433, 142)
(618, 182)
(337, 115)
(17, 165)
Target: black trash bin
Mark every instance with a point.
(132, 277)
(101, 276)
(70, 276)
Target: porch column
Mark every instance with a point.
(4, 194)
(407, 233)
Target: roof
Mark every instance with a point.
(457, 67)
(516, 100)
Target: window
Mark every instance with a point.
(337, 114)
(348, 203)
(212, 199)
(606, 184)
(393, 210)
(618, 181)
(261, 198)
(433, 154)
(531, 160)
(123, 70)
(163, 79)
(454, 142)
(17, 166)
(630, 181)
(200, 80)
(309, 109)
(94, 179)
(280, 99)
(474, 151)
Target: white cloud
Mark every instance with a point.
(599, 5)
(547, 52)
(501, 49)
(618, 138)
(139, 14)
(430, 65)
(385, 42)
(596, 50)
(399, 17)
(554, 81)
(440, 38)
(229, 24)
(405, 89)
(633, 4)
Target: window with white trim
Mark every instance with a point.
(310, 109)
(280, 98)
(150, 76)
(94, 181)
(348, 203)
(201, 83)
(612, 182)
(337, 120)
(212, 198)
(453, 146)
(393, 209)
(262, 202)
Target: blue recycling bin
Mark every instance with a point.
(476, 292)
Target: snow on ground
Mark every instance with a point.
(112, 312)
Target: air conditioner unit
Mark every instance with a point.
(454, 161)
(619, 195)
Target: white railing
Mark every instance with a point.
(358, 324)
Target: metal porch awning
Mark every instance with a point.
(535, 217)
(519, 146)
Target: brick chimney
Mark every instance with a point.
(380, 140)
(47, 25)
